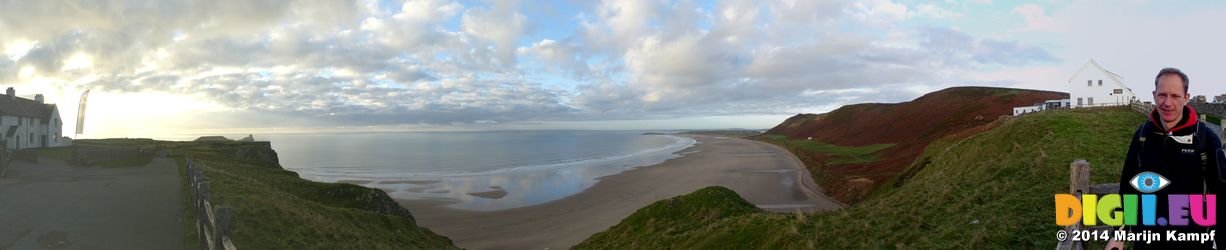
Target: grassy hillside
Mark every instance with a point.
(989, 190)
(274, 209)
(896, 133)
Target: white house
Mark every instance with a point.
(1094, 86)
(26, 123)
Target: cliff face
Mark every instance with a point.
(259, 151)
(364, 198)
(370, 199)
(248, 177)
(910, 126)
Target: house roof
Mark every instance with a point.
(18, 106)
(1119, 81)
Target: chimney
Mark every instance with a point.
(38, 98)
(11, 93)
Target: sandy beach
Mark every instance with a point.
(763, 174)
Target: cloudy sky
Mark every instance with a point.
(219, 66)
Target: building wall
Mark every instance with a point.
(29, 132)
(55, 130)
(1026, 110)
(21, 139)
(1104, 94)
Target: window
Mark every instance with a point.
(1079, 103)
(1089, 82)
(1100, 82)
(1119, 91)
(1090, 101)
(31, 137)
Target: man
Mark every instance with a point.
(1177, 147)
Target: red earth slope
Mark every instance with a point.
(911, 125)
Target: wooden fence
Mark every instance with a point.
(1079, 184)
(212, 222)
(1141, 107)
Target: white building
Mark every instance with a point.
(1017, 111)
(1058, 104)
(26, 123)
(1041, 106)
(1094, 86)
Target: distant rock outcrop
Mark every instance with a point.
(249, 138)
(212, 139)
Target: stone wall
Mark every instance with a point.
(1214, 109)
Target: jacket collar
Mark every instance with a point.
(1188, 121)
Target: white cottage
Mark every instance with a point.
(26, 123)
(1094, 86)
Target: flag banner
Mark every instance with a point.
(81, 113)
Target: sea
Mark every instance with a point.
(480, 171)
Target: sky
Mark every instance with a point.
(162, 68)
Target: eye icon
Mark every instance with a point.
(1149, 182)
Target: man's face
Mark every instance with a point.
(1170, 97)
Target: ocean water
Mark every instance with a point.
(481, 171)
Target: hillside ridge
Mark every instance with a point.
(897, 131)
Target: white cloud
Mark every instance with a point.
(1035, 18)
(310, 63)
(501, 26)
(933, 11)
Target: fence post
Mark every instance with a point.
(1078, 184)
(1079, 178)
(221, 227)
(202, 210)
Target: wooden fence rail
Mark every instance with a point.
(212, 222)
(1141, 107)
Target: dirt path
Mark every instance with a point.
(763, 174)
(51, 205)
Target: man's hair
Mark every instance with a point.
(1175, 71)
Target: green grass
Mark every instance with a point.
(275, 209)
(61, 153)
(672, 221)
(191, 236)
(836, 154)
(989, 191)
(1214, 119)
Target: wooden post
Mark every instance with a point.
(1078, 184)
(1079, 178)
(221, 227)
(202, 213)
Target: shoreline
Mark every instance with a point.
(764, 174)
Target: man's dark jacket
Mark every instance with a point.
(1192, 166)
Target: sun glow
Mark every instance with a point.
(143, 115)
(78, 61)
